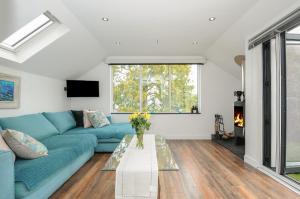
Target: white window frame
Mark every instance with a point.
(199, 87)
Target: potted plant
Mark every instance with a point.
(140, 122)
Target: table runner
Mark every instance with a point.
(137, 173)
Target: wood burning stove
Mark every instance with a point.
(239, 118)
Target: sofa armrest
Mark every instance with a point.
(7, 178)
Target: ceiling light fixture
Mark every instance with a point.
(212, 18)
(195, 42)
(105, 19)
(118, 43)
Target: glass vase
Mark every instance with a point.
(140, 138)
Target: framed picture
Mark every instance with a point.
(9, 91)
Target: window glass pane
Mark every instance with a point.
(156, 88)
(183, 88)
(293, 104)
(125, 88)
(164, 88)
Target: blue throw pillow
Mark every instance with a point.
(109, 117)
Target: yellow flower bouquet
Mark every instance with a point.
(140, 122)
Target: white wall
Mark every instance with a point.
(217, 97)
(38, 94)
(253, 106)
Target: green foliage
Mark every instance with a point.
(165, 88)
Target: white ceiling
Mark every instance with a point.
(176, 24)
(138, 24)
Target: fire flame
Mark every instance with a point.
(239, 120)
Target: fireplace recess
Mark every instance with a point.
(239, 122)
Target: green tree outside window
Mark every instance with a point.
(165, 88)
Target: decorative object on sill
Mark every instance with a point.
(239, 95)
(140, 122)
(195, 109)
(219, 125)
(9, 91)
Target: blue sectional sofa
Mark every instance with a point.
(69, 148)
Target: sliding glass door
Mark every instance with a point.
(291, 98)
(281, 103)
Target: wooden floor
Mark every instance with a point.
(207, 170)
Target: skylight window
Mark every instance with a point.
(27, 32)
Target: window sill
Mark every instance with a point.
(161, 113)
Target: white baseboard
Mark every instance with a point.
(281, 179)
(251, 161)
(188, 137)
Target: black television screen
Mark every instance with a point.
(81, 88)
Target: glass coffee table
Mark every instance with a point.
(165, 159)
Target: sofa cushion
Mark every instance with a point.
(35, 125)
(63, 121)
(78, 116)
(115, 130)
(48, 186)
(24, 145)
(98, 119)
(86, 121)
(109, 140)
(63, 151)
(5, 147)
(106, 147)
(80, 143)
(33, 172)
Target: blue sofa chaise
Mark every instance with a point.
(69, 148)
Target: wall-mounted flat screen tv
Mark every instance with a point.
(82, 88)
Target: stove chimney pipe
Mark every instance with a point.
(240, 60)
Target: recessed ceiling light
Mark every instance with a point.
(212, 18)
(105, 19)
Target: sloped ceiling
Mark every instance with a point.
(233, 41)
(137, 25)
(68, 57)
